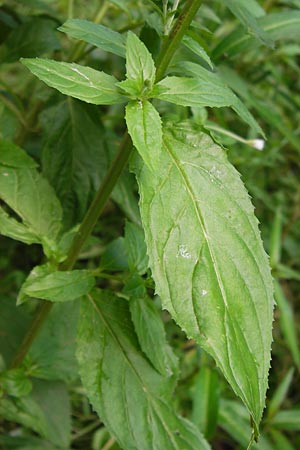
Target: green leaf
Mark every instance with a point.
(25, 191)
(278, 26)
(136, 248)
(287, 420)
(243, 12)
(27, 443)
(59, 286)
(281, 442)
(234, 420)
(206, 401)
(74, 156)
(16, 230)
(95, 34)
(139, 63)
(52, 354)
(265, 109)
(34, 37)
(84, 83)
(280, 393)
(25, 411)
(204, 89)
(13, 156)
(125, 191)
(14, 382)
(193, 45)
(14, 323)
(149, 328)
(287, 323)
(112, 367)
(207, 258)
(53, 399)
(144, 126)
(114, 257)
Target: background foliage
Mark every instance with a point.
(47, 407)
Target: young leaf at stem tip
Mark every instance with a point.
(140, 66)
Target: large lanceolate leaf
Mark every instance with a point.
(207, 258)
(130, 396)
(84, 83)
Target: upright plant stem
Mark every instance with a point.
(176, 34)
(168, 49)
(99, 202)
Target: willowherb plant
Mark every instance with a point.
(196, 242)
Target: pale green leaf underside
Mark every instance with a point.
(144, 126)
(95, 34)
(132, 399)
(59, 286)
(84, 83)
(207, 258)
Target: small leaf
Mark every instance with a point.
(144, 127)
(136, 248)
(25, 411)
(139, 63)
(207, 258)
(31, 197)
(196, 48)
(149, 328)
(81, 82)
(112, 367)
(59, 286)
(16, 230)
(95, 34)
(14, 382)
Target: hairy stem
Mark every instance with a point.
(168, 49)
(99, 202)
(173, 40)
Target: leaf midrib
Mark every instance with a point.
(144, 388)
